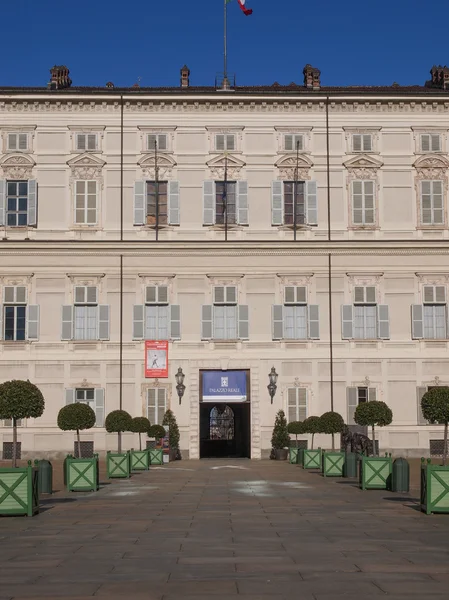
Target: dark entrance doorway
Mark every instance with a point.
(225, 430)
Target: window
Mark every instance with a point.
(365, 319)
(293, 141)
(20, 203)
(363, 202)
(362, 142)
(221, 423)
(159, 198)
(420, 391)
(20, 320)
(156, 405)
(158, 141)
(86, 141)
(86, 203)
(432, 203)
(8, 422)
(219, 197)
(225, 319)
(224, 141)
(18, 141)
(86, 319)
(286, 195)
(297, 404)
(295, 319)
(429, 320)
(156, 319)
(430, 142)
(357, 395)
(94, 397)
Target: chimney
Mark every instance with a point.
(185, 77)
(439, 77)
(60, 79)
(311, 77)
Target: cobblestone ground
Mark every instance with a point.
(218, 529)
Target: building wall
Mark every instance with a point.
(396, 255)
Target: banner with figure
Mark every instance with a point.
(156, 359)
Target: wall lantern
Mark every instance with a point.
(272, 387)
(180, 387)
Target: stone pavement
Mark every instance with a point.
(223, 529)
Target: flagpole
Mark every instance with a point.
(225, 39)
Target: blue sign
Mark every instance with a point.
(224, 386)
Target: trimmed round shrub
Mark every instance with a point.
(156, 431)
(118, 421)
(370, 414)
(332, 423)
(140, 425)
(312, 425)
(435, 409)
(76, 417)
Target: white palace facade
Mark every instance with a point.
(330, 262)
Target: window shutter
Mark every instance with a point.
(425, 142)
(103, 321)
(12, 141)
(32, 325)
(32, 202)
(175, 322)
(383, 322)
(2, 201)
(372, 394)
(242, 202)
(367, 139)
(69, 395)
(23, 141)
(92, 141)
(220, 142)
(151, 406)
(370, 294)
(173, 203)
(81, 141)
(67, 322)
(99, 407)
(420, 391)
(230, 141)
(162, 294)
(314, 321)
(139, 202)
(346, 321)
(302, 404)
(292, 411)
(277, 312)
(417, 321)
(207, 311)
(138, 321)
(231, 294)
(368, 187)
(311, 202)
(277, 202)
(356, 142)
(219, 294)
(161, 404)
(288, 142)
(351, 403)
(208, 202)
(243, 325)
(435, 142)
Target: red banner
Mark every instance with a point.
(156, 359)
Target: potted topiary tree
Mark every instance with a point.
(155, 454)
(280, 438)
(169, 421)
(80, 474)
(19, 485)
(312, 457)
(312, 425)
(370, 414)
(333, 462)
(139, 458)
(294, 428)
(117, 463)
(435, 409)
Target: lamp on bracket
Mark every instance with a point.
(272, 386)
(180, 387)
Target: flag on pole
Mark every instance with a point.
(242, 4)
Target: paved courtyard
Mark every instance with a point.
(219, 529)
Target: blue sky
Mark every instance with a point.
(352, 42)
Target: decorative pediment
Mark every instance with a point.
(17, 166)
(294, 167)
(86, 166)
(363, 166)
(165, 166)
(431, 166)
(232, 164)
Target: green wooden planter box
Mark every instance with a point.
(312, 459)
(293, 455)
(434, 488)
(333, 463)
(19, 490)
(375, 472)
(118, 465)
(156, 456)
(140, 460)
(301, 456)
(82, 474)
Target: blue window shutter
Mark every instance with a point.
(277, 202)
(347, 322)
(32, 324)
(314, 321)
(207, 311)
(383, 320)
(208, 202)
(67, 322)
(242, 202)
(99, 407)
(103, 321)
(417, 321)
(138, 322)
(139, 202)
(32, 202)
(173, 203)
(175, 322)
(277, 312)
(243, 322)
(311, 202)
